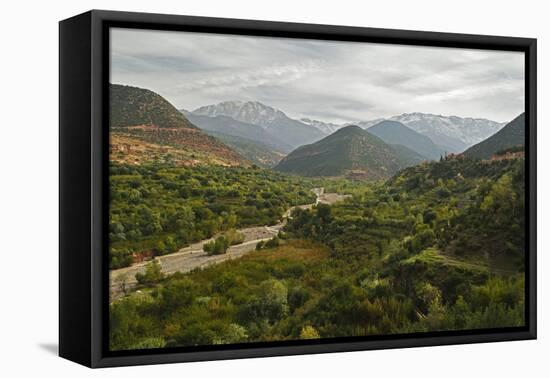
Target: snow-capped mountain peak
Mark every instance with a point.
(366, 124)
(468, 130)
(253, 112)
(293, 132)
(325, 127)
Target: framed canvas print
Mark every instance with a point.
(234, 188)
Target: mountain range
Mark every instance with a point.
(450, 133)
(511, 135)
(349, 151)
(145, 126)
(247, 119)
(227, 125)
(251, 141)
(276, 123)
(385, 148)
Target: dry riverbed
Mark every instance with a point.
(193, 256)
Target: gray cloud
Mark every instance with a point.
(331, 81)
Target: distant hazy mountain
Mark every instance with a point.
(253, 150)
(349, 150)
(274, 121)
(453, 134)
(325, 127)
(409, 156)
(393, 132)
(511, 135)
(229, 126)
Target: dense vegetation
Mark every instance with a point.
(159, 208)
(440, 246)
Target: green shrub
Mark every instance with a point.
(218, 246)
(153, 274)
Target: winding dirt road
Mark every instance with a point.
(186, 259)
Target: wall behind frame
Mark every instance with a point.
(29, 157)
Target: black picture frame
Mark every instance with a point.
(83, 196)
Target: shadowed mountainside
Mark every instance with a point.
(393, 132)
(511, 135)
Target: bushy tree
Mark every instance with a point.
(271, 303)
(153, 274)
(218, 246)
(297, 297)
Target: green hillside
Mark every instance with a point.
(511, 135)
(348, 150)
(132, 106)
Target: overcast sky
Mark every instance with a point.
(328, 81)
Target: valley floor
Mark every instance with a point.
(192, 257)
(438, 247)
(123, 280)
